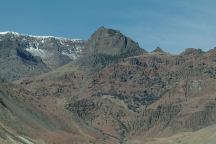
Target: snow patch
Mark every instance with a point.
(37, 52)
(40, 37)
(79, 48)
(70, 55)
(9, 32)
(36, 45)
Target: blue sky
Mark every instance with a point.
(170, 24)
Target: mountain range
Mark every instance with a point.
(106, 89)
(26, 55)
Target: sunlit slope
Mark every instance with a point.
(203, 136)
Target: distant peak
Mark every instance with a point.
(105, 30)
(212, 51)
(112, 42)
(158, 50)
(102, 27)
(189, 51)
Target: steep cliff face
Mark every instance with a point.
(108, 46)
(112, 42)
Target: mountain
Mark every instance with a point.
(158, 50)
(26, 55)
(112, 42)
(114, 92)
(107, 46)
(146, 96)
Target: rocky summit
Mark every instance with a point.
(112, 42)
(104, 90)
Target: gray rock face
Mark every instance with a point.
(53, 51)
(107, 46)
(26, 55)
(112, 42)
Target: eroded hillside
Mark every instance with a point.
(116, 92)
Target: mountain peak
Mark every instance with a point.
(112, 42)
(193, 51)
(103, 29)
(158, 50)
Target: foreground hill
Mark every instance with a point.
(25, 119)
(203, 136)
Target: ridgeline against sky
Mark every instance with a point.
(170, 24)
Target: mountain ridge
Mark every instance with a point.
(36, 36)
(34, 55)
(121, 94)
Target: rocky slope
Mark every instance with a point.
(116, 92)
(150, 95)
(26, 119)
(203, 136)
(25, 55)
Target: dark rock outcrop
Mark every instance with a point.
(112, 42)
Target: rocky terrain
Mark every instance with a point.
(26, 55)
(105, 90)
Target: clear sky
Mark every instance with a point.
(170, 24)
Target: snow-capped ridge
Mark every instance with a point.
(40, 37)
(46, 47)
(9, 32)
